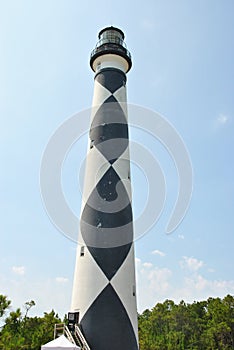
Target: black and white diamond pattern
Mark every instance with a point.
(104, 285)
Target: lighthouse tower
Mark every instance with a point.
(104, 292)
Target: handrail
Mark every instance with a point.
(113, 47)
(111, 40)
(68, 334)
(80, 336)
(61, 327)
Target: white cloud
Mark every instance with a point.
(147, 24)
(197, 287)
(158, 252)
(46, 293)
(155, 285)
(181, 236)
(18, 270)
(159, 279)
(222, 119)
(61, 279)
(211, 270)
(137, 260)
(191, 263)
(147, 264)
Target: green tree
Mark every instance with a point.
(4, 304)
(11, 337)
(203, 325)
(220, 323)
(21, 332)
(44, 331)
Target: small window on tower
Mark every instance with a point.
(134, 290)
(82, 251)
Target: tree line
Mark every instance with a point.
(201, 325)
(21, 332)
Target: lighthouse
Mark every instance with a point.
(104, 288)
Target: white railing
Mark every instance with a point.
(81, 338)
(75, 337)
(61, 328)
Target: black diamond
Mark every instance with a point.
(111, 79)
(106, 323)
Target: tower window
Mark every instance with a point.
(82, 251)
(134, 290)
(91, 144)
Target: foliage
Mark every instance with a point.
(4, 304)
(202, 325)
(206, 325)
(21, 332)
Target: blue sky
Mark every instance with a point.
(183, 56)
